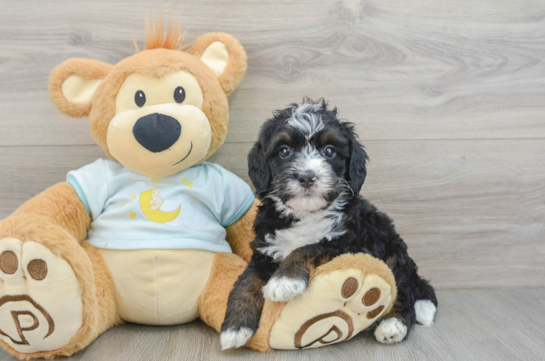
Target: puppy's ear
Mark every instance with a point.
(357, 170)
(258, 169)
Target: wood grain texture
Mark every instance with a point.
(472, 212)
(470, 325)
(447, 96)
(401, 70)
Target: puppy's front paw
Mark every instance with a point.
(390, 331)
(283, 289)
(235, 338)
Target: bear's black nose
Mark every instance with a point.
(157, 132)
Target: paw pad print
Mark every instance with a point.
(8, 262)
(40, 300)
(37, 268)
(371, 297)
(334, 308)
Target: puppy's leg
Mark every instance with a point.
(292, 276)
(243, 308)
(426, 303)
(415, 300)
(395, 327)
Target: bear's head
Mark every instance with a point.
(161, 110)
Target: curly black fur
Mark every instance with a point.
(364, 228)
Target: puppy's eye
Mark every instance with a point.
(179, 94)
(285, 152)
(140, 98)
(329, 152)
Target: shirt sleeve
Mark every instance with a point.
(91, 184)
(238, 197)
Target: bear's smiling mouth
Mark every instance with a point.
(187, 155)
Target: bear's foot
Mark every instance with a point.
(343, 298)
(40, 299)
(334, 308)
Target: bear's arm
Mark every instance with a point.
(241, 233)
(60, 205)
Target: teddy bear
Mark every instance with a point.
(156, 201)
(102, 247)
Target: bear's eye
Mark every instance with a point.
(179, 94)
(140, 98)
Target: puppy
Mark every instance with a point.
(308, 168)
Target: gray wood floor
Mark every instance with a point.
(448, 97)
(471, 325)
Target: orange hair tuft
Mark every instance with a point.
(155, 36)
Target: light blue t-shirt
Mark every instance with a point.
(186, 210)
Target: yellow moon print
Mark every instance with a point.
(157, 216)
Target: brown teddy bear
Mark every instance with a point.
(105, 247)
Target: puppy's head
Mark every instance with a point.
(307, 158)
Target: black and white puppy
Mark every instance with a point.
(308, 169)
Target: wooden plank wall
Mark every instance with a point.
(448, 96)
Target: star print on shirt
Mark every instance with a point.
(189, 184)
(155, 180)
(132, 215)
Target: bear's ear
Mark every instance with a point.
(73, 84)
(224, 55)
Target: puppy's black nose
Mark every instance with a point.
(157, 132)
(307, 178)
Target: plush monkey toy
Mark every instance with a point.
(156, 235)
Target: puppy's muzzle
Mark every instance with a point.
(157, 132)
(307, 178)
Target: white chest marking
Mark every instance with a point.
(310, 229)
